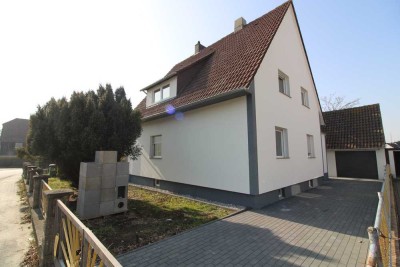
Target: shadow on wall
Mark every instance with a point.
(347, 207)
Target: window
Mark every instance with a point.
(165, 92)
(155, 149)
(283, 80)
(157, 95)
(281, 143)
(304, 97)
(310, 146)
(161, 94)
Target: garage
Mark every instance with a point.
(356, 164)
(355, 142)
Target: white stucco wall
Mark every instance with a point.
(273, 109)
(207, 148)
(330, 155)
(380, 161)
(173, 89)
(324, 156)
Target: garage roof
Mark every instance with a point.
(354, 128)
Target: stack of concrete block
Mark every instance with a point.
(103, 186)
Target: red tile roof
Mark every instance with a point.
(229, 64)
(354, 128)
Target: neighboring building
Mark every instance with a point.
(13, 135)
(355, 142)
(393, 157)
(237, 122)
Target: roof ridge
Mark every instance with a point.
(212, 46)
(364, 106)
(229, 63)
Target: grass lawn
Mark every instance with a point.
(57, 183)
(151, 216)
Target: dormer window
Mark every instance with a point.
(161, 94)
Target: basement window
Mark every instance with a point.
(311, 183)
(281, 193)
(157, 183)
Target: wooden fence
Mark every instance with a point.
(382, 235)
(43, 200)
(75, 244)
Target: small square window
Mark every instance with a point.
(156, 146)
(281, 140)
(310, 146)
(304, 97)
(283, 81)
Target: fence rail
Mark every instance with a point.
(381, 250)
(76, 245)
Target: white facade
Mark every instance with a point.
(208, 147)
(380, 161)
(275, 109)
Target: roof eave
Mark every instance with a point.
(158, 82)
(201, 103)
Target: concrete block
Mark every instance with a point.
(89, 211)
(106, 157)
(109, 170)
(107, 207)
(90, 183)
(89, 196)
(122, 180)
(90, 169)
(108, 194)
(122, 191)
(122, 168)
(107, 182)
(120, 205)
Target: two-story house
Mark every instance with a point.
(13, 136)
(237, 122)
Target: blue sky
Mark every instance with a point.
(51, 48)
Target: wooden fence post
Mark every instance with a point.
(50, 228)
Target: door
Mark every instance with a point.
(356, 164)
(396, 156)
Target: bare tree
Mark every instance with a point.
(333, 102)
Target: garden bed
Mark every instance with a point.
(152, 216)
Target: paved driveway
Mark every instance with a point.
(326, 226)
(14, 237)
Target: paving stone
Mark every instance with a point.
(310, 229)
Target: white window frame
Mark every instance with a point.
(152, 146)
(310, 146)
(286, 88)
(284, 143)
(162, 94)
(304, 97)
